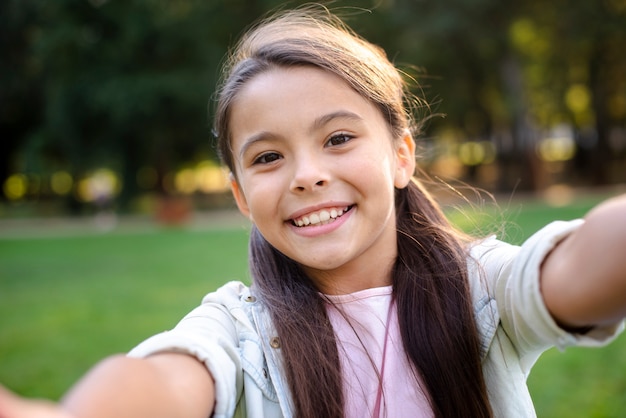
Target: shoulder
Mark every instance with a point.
(504, 283)
(491, 260)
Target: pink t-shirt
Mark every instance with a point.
(360, 343)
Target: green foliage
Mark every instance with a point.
(126, 84)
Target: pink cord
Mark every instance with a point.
(379, 395)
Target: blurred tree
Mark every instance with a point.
(510, 73)
(126, 83)
(20, 85)
(575, 69)
(471, 76)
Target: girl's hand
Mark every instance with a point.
(13, 406)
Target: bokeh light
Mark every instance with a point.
(61, 183)
(15, 187)
(101, 185)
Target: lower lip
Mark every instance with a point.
(314, 231)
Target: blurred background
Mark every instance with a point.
(105, 106)
(105, 115)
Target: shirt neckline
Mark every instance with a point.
(360, 294)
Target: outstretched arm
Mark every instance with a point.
(583, 280)
(164, 385)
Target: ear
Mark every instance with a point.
(239, 196)
(405, 161)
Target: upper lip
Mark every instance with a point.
(316, 208)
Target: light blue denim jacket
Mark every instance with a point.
(232, 334)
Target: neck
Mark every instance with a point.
(344, 280)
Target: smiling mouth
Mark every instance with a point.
(321, 217)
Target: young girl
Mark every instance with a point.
(365, 301)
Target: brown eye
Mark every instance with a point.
(267, 158)
(339, 139)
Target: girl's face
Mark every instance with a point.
(315, 168)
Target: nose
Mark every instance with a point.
(309, 174)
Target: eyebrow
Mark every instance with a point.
(339, 114)
(317, 124)
(252, 140)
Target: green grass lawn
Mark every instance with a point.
(66, 302)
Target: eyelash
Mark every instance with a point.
(262, 159)
(345, 138)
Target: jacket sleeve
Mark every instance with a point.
(210, 334)
(512, 276)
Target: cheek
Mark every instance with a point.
(262, 196)
(378, 166)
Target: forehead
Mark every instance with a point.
(290, 98)
(285, 83)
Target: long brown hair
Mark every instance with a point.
(430, 282)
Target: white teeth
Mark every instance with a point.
(324, 216)
(314, 218)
